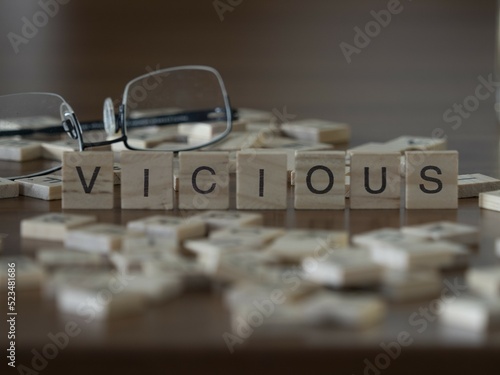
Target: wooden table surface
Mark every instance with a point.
(271, 55)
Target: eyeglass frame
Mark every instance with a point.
(74, 128)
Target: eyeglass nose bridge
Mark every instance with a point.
(69, 121)
(111, 126)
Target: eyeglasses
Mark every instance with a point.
(175, 109)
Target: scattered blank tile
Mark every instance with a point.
(129, 262)
(319, 180)
(47, 187)
(29, 275)
(490, 200)
(240, 301)
(297, 244)
(245, 293)
(57, 258)
(239, 141)
(53, 226)
(485, 281)
(210, 251)
(8, 188)
(292, 147)
(341, 268)
(445, 230)
(146, 180)
(470, 185)
(173, 264)
(225, 219)
(147, 139)
(98, 238)
(204, 131)
(375, 181)
(255, 115)
(385, 236)
(411, 143)
(261, 180)
(436, 254)
(175, 228)
(249, 265)
(405, 286)
(15, 149)
(203, 180)
(158, 288)
(55, 150)
(71, 297)
(315, 130)
(366, 147)
(472, 313)
(190, 272)
(144, 243)
(92, 188)
(350, 310)
(394, 249)
(88, 276)
(440, 187)
(259, 235)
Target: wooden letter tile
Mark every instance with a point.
(55, 150)
(470, 185)
(445, 230)
(19, 149)
(259, 235)
(209, 251)
(347, 267)
(53, 226)
(485, 281)
(41, 187)
(409, 143)
(436, 254)
(261, 180)
(431, 179)
(315, 130)
(203, 180)
(96, 238)
(375, 181)
(87, 180)
(471, 313)
(226, 219)
(146, 180)
(320, 180)
(8, 188)
(59, 258)
(414, 285)
(297, 244)
(175, 228)
(352, 310)
(71, 296)
(490, 200)
(255, 115)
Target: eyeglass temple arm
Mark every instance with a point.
(57, 129)
(194, 116)
(178, 118)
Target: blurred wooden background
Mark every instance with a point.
(271, 55)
